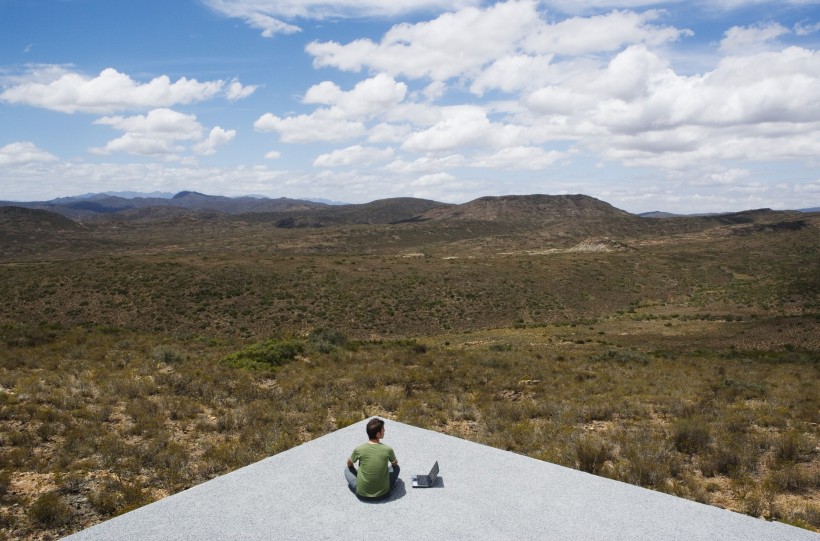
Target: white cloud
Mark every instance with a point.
(445, 47)
(217, 137)
(345, 115)
(743, 39)
(57, 89)
(321, 125)
(722, 177)
(514, 72)
(520, 157)
(602, 86)
(427, 164)
(433, 180)
(369, 97)
(160, 134)
(267, 15)
(591, 6)
(237, 91)
(462, 126)
(639, 111)
(273, 155)
(504, 36)
(354, 155)
(803, 29)
(601, 33)
(388, 133)
(23, 152)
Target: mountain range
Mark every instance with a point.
(135, 206)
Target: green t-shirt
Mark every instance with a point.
(372, 480)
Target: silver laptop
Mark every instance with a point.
(425, 481)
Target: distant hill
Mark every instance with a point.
(382, 211)
(91, 206)
(526, 208)
(659, 214)
(28, 219)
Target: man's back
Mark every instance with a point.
(372, 479)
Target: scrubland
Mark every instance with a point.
(687, 364)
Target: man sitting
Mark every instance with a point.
(373, 480)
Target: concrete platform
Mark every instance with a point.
(483, 493)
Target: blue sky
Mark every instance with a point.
(682, 106)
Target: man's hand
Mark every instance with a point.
(351, 467)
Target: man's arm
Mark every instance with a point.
(350, 466)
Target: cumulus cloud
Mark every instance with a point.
(57, 89)
(237, 91)
(504, 36)
(354, 155)
(345, 114)
(592, 6)
(804, 29)
(445, 47)
(433, 180)
(23, 152)
(369, 97)
(636, 109)
(388, 133)
(520, 157)
(216, 138)
(161, 133)
(268, 15)
(321, 125)
(427, 164)
(462, 126)
(742, 39)
(601, 33)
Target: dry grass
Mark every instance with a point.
(95, 423)
(151, 358)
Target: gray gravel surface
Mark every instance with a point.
(482, 493)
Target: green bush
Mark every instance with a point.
(746, 390)
(265, 355)
(691, 436)
(792, 446)
(621, 357)
(5, 482)
(50, 511)
(793, 478)
(591, 453)
(326, 340)
(167, 355)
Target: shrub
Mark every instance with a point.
(167, 355)
(691, 436)
(646, 459)
(737, 389)
(621, 357)
(792, 478)
(809, 517)
(50, 510)
(791, 446)
(730, 458)
(591, 453)
(326, 340)
(265, 355)
(5, 482)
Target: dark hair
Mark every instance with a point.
(374, 426)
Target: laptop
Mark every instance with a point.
(426, 481)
